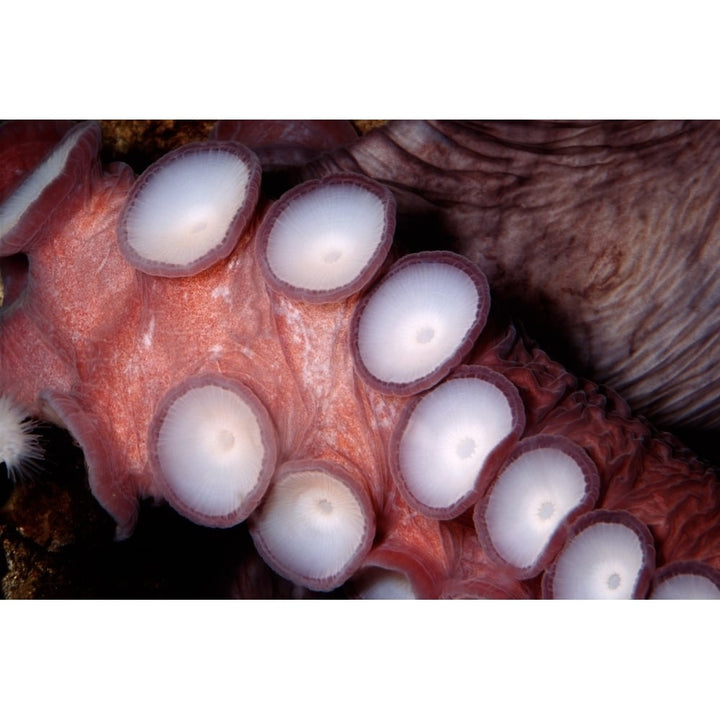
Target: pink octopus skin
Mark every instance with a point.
(95, 344)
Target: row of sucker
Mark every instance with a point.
(462, 447)
(488, 469)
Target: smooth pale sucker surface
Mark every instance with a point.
(30, 189)
(311, 523)
(686, 587)
(415, 320)
(382, 584)
(211, 450)
(602, 562)
(325, 238)
(186, 207)
(529, 500)
(448, 437)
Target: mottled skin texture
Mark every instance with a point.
(99, 343)
(602, 237)
(63, 338)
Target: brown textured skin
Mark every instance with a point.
(602, 237)
(286, 143)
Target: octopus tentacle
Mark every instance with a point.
(234, 398)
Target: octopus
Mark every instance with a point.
(311, 339)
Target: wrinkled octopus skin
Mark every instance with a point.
(94, 344)
(603, 237)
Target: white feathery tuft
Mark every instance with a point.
(20, 448)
